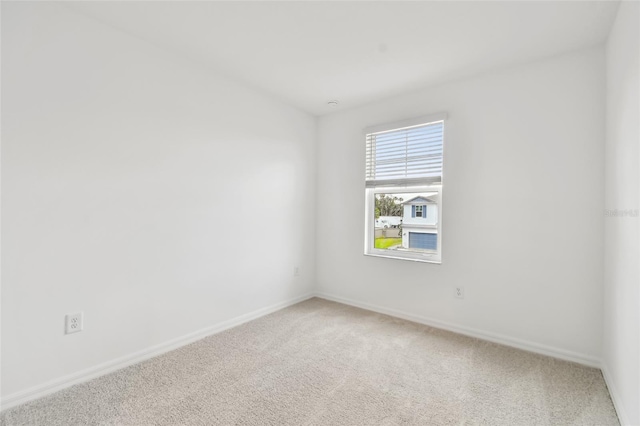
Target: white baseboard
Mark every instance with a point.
(615, 396)
(472, 332)
(100, 370)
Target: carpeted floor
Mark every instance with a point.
(323, 363)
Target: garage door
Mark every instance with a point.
(423, 241)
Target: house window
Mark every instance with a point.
(403, 189)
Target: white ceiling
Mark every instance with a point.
(307, 53)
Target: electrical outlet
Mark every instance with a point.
(459, 292)
(296, 271)
(73, 323)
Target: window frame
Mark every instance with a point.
(400, 187)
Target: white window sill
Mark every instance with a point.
(410, 259)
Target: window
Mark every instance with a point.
(403, 189)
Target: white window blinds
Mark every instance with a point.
(410, 155)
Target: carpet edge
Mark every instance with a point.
(538, 348)
(615, 398)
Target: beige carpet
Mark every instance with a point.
(323, 363)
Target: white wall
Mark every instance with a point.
(621, 354)
(141, 189)
(515, 140)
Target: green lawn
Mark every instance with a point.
(383, 243)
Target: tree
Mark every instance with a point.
(388, 205)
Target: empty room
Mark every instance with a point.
(320, 213)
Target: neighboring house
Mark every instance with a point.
(420, 223)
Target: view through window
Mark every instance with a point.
(406, 221)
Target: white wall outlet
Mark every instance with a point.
(73, 323)
(459, 292)
(296, 271)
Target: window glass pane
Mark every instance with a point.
(406, 221)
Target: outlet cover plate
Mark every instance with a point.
(73, 323)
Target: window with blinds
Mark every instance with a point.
(403, 189)
(405, 156)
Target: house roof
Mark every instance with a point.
(420, 200)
